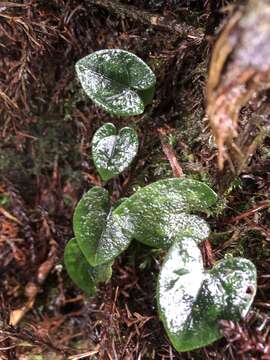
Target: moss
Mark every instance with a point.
(5, 200)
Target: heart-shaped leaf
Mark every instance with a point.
(99, 238)
(85, 276)
(117, 80)
(155, 214)
(191, 301)
(113, 153)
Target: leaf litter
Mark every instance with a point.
(63, 322)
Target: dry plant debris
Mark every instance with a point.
(46, 125)
(239, 70)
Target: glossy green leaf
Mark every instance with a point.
(85, 276)
(89, 221)
(191, 301)
(117, 80)
(113, 153)
(156, 214)
(100, 239)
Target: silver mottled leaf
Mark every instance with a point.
(112, 152)
(100, 239)
(191, 301)
(157, 213)
(117, 80)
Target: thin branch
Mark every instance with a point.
(148, 18)
(250, 212)
(8, 4)
(84, 355)
(170, 154)
(9, 216)
(7, 100)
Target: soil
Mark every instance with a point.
(47, 124)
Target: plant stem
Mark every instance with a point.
(170, 154)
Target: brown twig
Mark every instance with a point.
(6, 99)
(85, 355)
(10, 216)
(148, 18)
(170, 154)
(208, 253)
(250, 212)
(8, 4)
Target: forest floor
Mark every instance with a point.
(47, 124)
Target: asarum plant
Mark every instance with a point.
(117, 81)
(113, 153)
(191, 300)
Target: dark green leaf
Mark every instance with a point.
(118, 81)
(113, 153)
(89, 220)
(84, 275)
(191, 301)
(99, 238)
(155, 214)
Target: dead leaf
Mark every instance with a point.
(239, 70)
